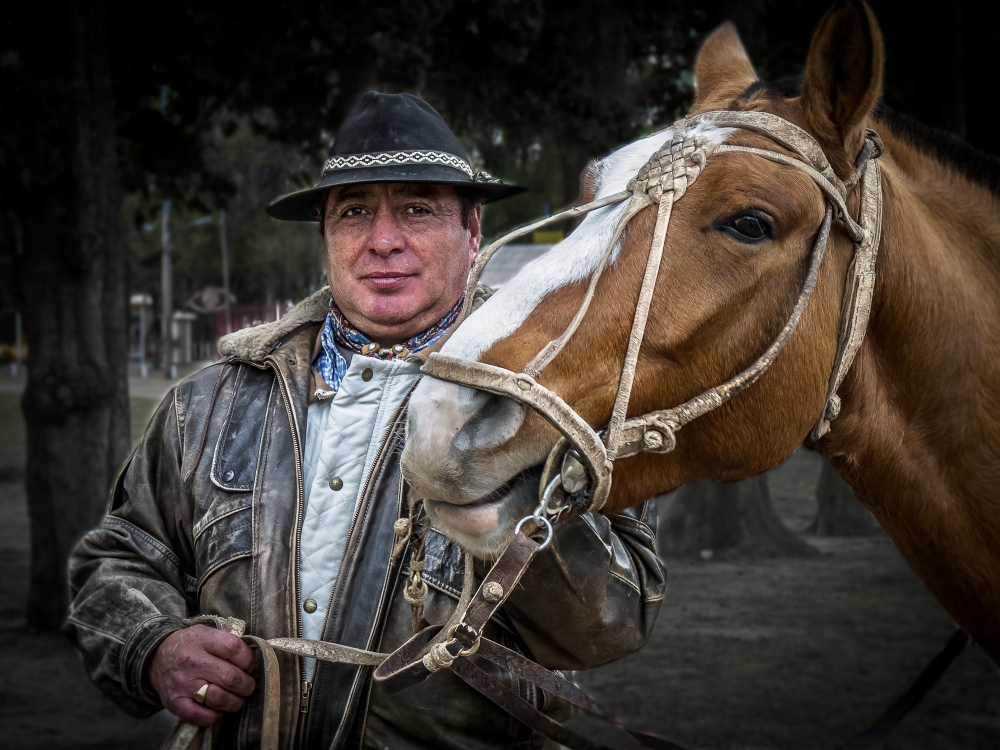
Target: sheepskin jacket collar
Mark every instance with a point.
(253, 344)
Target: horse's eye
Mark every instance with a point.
(751, 227)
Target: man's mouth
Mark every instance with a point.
(387, 279)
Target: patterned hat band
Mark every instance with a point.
(393, 158)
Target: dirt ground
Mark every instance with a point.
(795, 654)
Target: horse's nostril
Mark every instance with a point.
(493, 423)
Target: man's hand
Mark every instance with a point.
(187, 659)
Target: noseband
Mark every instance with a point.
(661, 182)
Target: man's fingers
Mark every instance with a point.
(227, 646)
(186, 709)
(222, 700)
(227, 675)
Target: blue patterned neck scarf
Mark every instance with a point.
(337, 329)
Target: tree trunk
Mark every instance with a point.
(840, 512)
(72, 288)
(727, 519)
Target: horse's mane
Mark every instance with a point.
(975, 165)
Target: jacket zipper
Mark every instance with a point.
(304, 702)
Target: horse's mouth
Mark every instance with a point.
(485, 525)
(495, 496)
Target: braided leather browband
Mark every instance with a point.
(662, 181)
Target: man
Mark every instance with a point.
(267, 488)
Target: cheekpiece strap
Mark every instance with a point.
(859, 288)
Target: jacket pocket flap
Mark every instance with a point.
(222, 505)
(234, 465)
(226, 538)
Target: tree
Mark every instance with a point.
(64, 206)
(727, 519)
(573, 80)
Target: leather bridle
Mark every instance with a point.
(661, 182)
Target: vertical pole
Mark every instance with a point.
(166, 272)
(142, 339)
(225, 268)
(16, 364)
(166, 290)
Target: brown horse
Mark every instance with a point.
(918, 436)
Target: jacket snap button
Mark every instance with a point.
(309, 605)
(336, 484)
(228, 476)
(367, 374)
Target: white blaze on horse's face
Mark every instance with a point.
(573, 260)
(454, 456)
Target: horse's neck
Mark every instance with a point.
(919, 432)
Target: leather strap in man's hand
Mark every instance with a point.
(188, 659)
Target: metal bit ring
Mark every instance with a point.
(539, 521)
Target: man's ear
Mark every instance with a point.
(722, 69)
(843, 80)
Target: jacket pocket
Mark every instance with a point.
(234, 465)
(224, 534)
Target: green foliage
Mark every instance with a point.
(535, 88)
(36, 97)
(268, 260)
(537, 168)
(585, 75)
(7, 324)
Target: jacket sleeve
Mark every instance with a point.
(592, 595)
(127, 579)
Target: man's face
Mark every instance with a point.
(397, 255)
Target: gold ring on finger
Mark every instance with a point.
(201, 694)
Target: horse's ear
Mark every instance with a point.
(843, 79)
(723, 69)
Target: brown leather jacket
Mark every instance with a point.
(205, 517)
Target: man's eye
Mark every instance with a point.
(354, 211)
(750, 227)
(417, 210)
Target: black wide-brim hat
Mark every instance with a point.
(392, 138)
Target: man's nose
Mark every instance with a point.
(387, 235)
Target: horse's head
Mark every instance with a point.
(735, 254)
